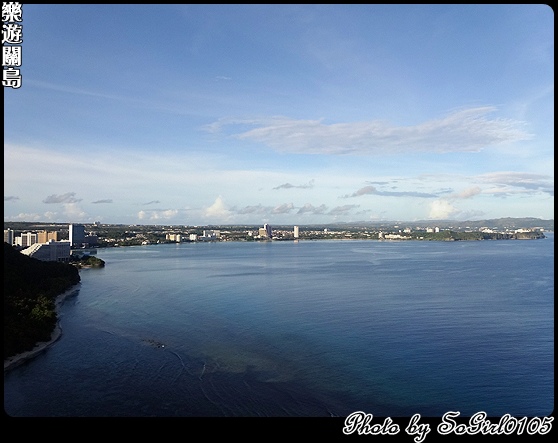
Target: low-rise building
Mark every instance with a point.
(51, 251)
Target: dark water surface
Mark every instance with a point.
(312, 329)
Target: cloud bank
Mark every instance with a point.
(468, 130)
(308, 185)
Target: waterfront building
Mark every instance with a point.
(51, 251)
(91, 240)
(174, 237)
(77, 235)
(267, 230)
(42, 236)
(27, 239)
(210, 235)
(296, 232)
(45, 236)
(9, 236)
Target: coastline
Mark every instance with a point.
(18, 359)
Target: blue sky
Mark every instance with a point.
(281, 114)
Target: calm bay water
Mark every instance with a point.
(314, 328)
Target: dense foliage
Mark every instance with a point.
(476, 235)
(88, 261)
(30, 289)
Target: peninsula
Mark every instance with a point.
(33, 290)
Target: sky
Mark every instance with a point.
(281, 114)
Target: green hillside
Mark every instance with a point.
(30, 290)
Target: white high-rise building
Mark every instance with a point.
(9, 236)
(296, 232)
(27, 239)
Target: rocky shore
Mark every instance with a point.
(18, 359)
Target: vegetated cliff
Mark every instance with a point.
(88, 261)
(478, 235)
(30, 290)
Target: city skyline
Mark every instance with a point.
(281, 114)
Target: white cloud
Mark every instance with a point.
(254, 209)
(74, 212)
(524, 180)
(169, 213)
(467, 193)
(308, 185)
(27, 217)
(218, 210)
(285, 208)
(308, 208)
(363, 191)
(467, 130)
(157, 215)
(442, 209)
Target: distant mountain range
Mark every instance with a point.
(494, 223)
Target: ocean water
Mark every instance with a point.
(302, 329)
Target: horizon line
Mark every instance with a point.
(293, 224)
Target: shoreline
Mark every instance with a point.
(16, 360)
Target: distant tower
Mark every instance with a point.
(267, 230)
(77, 235)
(296, 232)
